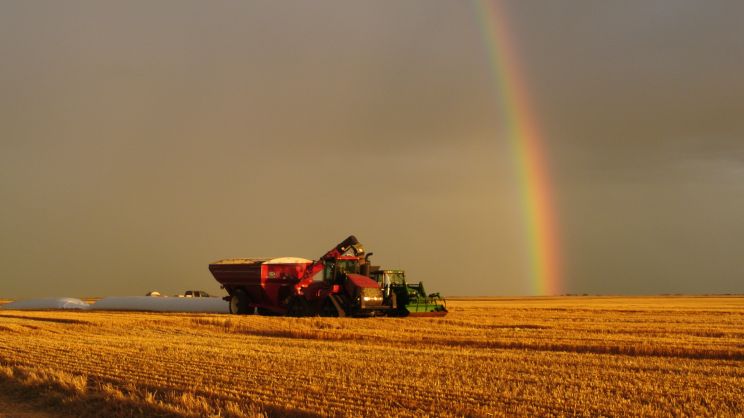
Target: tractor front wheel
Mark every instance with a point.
(327, 309)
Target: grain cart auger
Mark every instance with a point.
(286, 285)
(411, 298)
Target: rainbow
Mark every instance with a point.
(528, 147)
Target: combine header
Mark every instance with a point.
(286, 286)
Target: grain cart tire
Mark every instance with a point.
(239, 303)
(265, 312)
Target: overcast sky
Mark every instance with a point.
(141, 140)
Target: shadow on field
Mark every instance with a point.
(57, 396)
(612, 348)
(54, 320)
(63, 394)
(628, 350)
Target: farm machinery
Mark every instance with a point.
(411, 298)
(287, 285)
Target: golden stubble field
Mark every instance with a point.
(585, 356)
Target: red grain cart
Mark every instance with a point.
(262, 284)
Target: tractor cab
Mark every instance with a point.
(394, 281)
(412, 298)
(394, 277)
(334, 272)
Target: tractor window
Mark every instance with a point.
(394, 278)
(334, 272)
(328, 272)
(348, 266)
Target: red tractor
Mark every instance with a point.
(286, 286)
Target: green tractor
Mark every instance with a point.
(412, 299)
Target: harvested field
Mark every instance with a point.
(583, 356)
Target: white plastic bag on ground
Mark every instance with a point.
(161, 304)
(46, 303)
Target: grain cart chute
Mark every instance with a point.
(412, 298)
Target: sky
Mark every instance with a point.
(140, 141)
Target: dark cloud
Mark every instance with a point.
(139, 141)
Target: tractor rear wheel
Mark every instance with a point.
(297, 306)
(328, 309)
(334, 305)
(239, 303)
